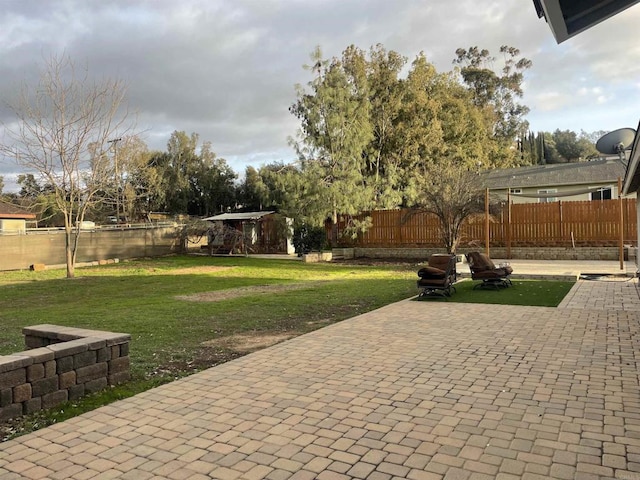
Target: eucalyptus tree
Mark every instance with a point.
(496, 92)
(39, 199)
(180, 167)
(134, 179)
(253, 193)
(212, 184)
(375, 133)
(190, 178)
(445, 143)
(386, 97)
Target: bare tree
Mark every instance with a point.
(453, 193)
(63, 128)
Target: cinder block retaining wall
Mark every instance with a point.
(21, 251)
(522, 253)
(61, 363)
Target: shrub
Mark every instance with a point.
(307, 239)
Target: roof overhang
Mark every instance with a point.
(632, 176)
(567, 18)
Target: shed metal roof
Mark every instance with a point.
(239, 216)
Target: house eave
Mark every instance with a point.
(567, 18)
(631, 182)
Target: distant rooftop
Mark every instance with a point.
(580, 173)
(9, 210)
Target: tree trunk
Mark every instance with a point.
(69, 253)
(334, 228)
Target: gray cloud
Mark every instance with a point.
(226, 69)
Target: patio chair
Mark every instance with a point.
(438, 277)
(490, 276)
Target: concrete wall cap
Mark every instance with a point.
(113, 338)
(39, 355)
(12, 362)
(68, 348)
(95, 343)
(39, 330)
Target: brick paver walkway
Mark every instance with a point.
(415, 390)
(614, 293)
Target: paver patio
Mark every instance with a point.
(414, 390)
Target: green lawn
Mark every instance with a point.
(140, 298)
(547, 293)
(186, 313)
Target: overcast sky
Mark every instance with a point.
(226, 69)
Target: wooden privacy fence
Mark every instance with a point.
(554, 224)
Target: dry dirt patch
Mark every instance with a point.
(230, 293)
(196, 270)
(249, 342)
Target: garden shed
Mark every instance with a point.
(250, 232)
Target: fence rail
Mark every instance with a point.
(585, 223)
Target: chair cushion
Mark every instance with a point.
(439, 261)
(433, 282)
(488, 274)
(431, 272)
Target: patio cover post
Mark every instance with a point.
(509, 223)
(621, 250)
(486, 221)
(637, 233)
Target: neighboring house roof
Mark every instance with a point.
(9, 210)
(595, 172)
(239, 216)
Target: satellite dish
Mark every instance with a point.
(616, 142)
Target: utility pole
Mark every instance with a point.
(114, 142)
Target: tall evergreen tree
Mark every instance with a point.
(336, 128)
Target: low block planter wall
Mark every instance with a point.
(315, 257)
(61, 363)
